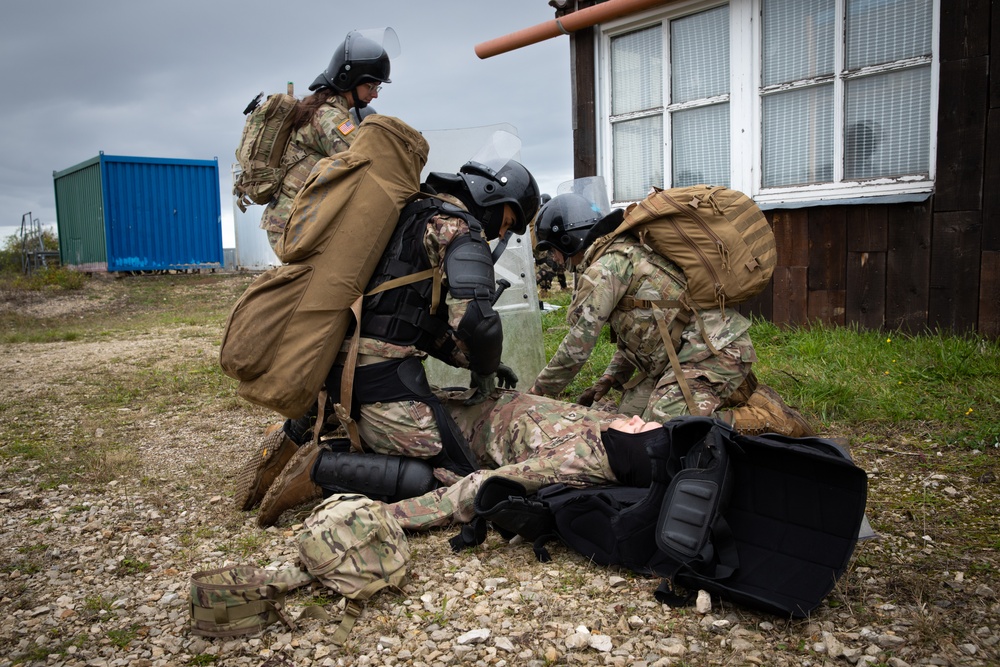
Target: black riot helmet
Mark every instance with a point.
(563, 223)
(511, 184)
(359, 59)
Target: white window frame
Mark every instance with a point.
(745, 104)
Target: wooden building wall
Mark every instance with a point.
(911, 267)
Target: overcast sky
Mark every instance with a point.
(170, 79)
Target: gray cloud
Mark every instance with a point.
(170, 79)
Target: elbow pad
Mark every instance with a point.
(482, 333)
(469, 268)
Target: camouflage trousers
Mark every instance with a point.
(403, 428)
(711, 380)
(531, 439)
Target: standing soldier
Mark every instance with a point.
(715, 355)
(322, 125)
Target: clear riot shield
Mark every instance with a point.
(523, 347)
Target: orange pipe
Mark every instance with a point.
(582, 18)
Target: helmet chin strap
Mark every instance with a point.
(358, 104)
(501, 246)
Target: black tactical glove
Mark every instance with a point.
(484, 386)
(506, 377)
(597, 391)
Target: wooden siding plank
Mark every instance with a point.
(760, 306)
(989, 291)
(991, 196)
(961, 132)
(955, 264)
(995, 61)
(867, 229)
(582, 54)
(789, 283)
(791, 236)
(965, 29)
(827, 306)
(827, 248)
(908, 266)
(866, 289)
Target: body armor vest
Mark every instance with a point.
(402, 315)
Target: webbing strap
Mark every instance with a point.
(220, 614)
(674, 361)
(353, 609)
(343, 408)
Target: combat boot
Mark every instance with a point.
(766, 412)
(293, 487)
(261, 468)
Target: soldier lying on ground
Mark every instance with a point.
(533, 440)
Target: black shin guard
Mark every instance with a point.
(378, 476)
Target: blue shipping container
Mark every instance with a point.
(119, 213)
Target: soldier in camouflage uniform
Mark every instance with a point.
(617, 289)
(548, 268)
(448, 315)
(323, 125)
(533, 440)
(530, 439)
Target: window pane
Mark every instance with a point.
(883, 31)
(701, 146)
(699, 55)
(798, 39)
(638, 156)
(888, 124)
(798, 137)
(637, 71)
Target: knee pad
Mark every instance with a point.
(378, 476)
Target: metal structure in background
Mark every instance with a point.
(33, 253)
(139, 214)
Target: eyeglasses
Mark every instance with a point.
(374, 88)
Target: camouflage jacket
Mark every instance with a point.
(629, 269)
(330, 131)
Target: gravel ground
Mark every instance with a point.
(96, 568)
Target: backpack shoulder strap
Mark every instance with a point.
(690, 527)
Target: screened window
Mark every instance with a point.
(790, 100)
(699, 98)
(637, 112)
(694, 115)
(835, 112)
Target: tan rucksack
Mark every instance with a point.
(266, 132)
(286, 330)
(719, 237)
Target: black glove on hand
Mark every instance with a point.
(506, 377)
(484, 385)
(596, 392)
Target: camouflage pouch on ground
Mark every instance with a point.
(238, 600)
(354, 546)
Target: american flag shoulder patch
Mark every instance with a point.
(346, 127)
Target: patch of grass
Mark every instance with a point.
(122, 637)
(133, 566)
(843, 374)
